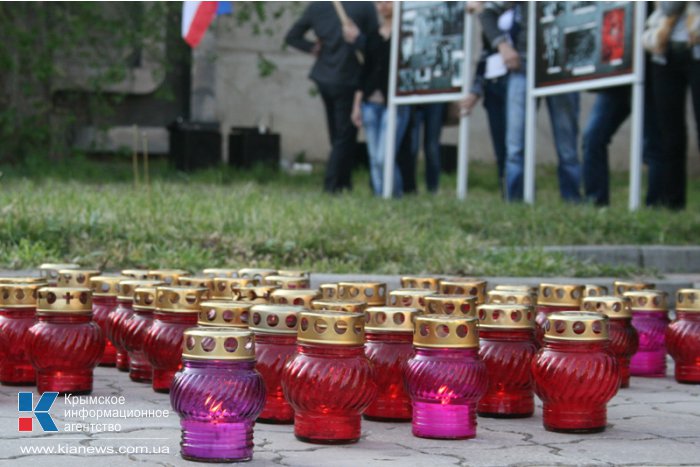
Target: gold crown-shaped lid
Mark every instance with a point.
(373, 293)
(505, 316)
(224, 313)
(224, 286)
(220, 272)
(512, 297)
(294, 273)
(620, 287)
(442, 331)
(19, 295)
(329, 291)
(254, 293)
(390, 319)
(105, 286)
(560, 295)
(145, 298)
(688, 300)
(465, 286)
(256, 273)
(197, 281)
(331, 327)
(176, 299)
(592, 290)
(299, 297)
(76, 277)
(140, 274)
(576, 326)
(419, 282)
(50, 270)
(212, 343)
(520, 287)
(647, 300)
(275, 319)
(127, 288)
(412, 298)
(288, 282)
(611, 306)
(349, 306)
(64, 300)
(457, 305)
(22, 280)
(167, 276)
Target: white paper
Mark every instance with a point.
(495, 67)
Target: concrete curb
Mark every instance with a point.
(661, 258)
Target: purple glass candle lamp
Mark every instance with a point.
(650, 319)
(446, 378)
(218, 394)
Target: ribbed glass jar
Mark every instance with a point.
(650, 319)
(683, 337)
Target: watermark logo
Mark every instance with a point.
(25, 403)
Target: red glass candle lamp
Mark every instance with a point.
(220, 272)
(167, 276)
(329, 382)
(620, 288)
(350, 306)
(624, 339)
(104, 303)
(575, 373)
(218, 394)
(553, 298)
(49, 271)
(177, 309)
(288, 282)
(451, 305)
(650, 319)
(521, 287)
(256, 273)
(421, 282)
(328, 291)
(65, 345)
(275, 329)
(411, 298)
(17, 315)
(257, 294)
(76, 277)
(465, 286)
(137, 274)
(298, 297)
(522, 296)
(224, 313)
(115, 319)
(683, 336)
(224, 287)
(135, 329)
(507, 345)
(294, 273)
(197, 281)
(445, 378)
(593, 290)
(389, 335)
(372, 293)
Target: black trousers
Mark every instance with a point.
(667, 184)
(337, 100)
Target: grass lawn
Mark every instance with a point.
(89, 212)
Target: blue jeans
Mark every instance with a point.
(431, 115)
(374, 120)
(563, 113)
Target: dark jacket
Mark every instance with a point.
(337, 62)
(489, 24)
(374, 75)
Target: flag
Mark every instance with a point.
(197, 16)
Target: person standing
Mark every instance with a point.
(335, 72)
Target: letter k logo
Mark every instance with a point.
(25, 403)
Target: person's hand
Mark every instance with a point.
(510, 56)
(468, 103)
(350, 31)
(316, 49)
(356, 116)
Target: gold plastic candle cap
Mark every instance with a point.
(256, 273)
(348, 306)
(127, 288)
(465, 286)
(504, 316)
(224, 313)
(560, 295)
(519, 287)
(511, 297)
(197, 281)
(51, 270)
(647, 300)
(611, 306)
(19, 295)
(412, 298)
(176, 299)
(224, 286)
(457, 305)
(254, 294)
(144, 298)
(275, 319)
(331, 327)
(688, 300)
(76, 277)
(220, 272)
(287, 282)
(105, 286)
(329, 291)
(294, 273)
(218, 344)
(64, 300)
(372, 293)
(442, 331)
(419, 282)
(167, 276)
(140, 274)
(390, 319)
(620, 287)
(592, 290)
(576, 326)
(299, 297)
(22, 280)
